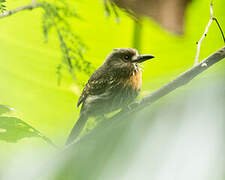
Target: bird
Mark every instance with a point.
(114, 85)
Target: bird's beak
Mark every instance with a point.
(142, 58)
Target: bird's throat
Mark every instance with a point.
(135, 80)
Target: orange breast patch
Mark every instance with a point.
(135, 80)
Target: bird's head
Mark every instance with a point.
(125, 57)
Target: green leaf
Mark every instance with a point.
(4, 109)
(13, 129)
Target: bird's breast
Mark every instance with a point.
(135, 80)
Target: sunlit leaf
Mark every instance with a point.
(13, 129)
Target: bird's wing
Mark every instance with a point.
(96, 85)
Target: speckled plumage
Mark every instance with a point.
(112, 86)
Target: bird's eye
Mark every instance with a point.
(126, 57)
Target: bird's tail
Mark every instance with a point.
(77, 128)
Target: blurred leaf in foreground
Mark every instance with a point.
(4, 109)
(13, 129)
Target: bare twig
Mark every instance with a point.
(181, 80)
(204, 34)
(212, 18)
(221, 31)
(27, 7)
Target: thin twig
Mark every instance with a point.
(221, 31)
(28, 7)
(180, 81)
(212, 18)
(204, 34)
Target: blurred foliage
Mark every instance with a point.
(4, 109)
(13, 129)
(2, 6)
(187, 128)
(55, 17)
(28, 79)
(184, 131)
(111, 8)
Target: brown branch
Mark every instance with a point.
(181, 80)
(27, 7)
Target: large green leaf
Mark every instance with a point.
(13, 129)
